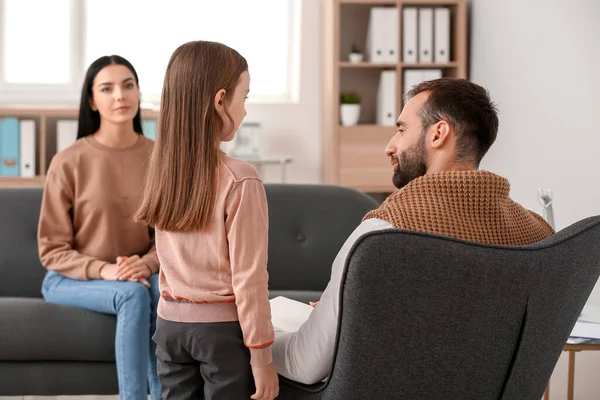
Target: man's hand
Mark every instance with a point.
(133, 269)
(266, 382)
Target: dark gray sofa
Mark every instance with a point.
(46, 349)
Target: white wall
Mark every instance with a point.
(541, 64)
(295, 129)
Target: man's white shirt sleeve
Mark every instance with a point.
(306, 356)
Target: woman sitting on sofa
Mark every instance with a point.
(97, 257)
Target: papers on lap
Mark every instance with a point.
(287, 314)
(587, 330)
(588, 323)
(590, 313)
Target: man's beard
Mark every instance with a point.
(411, 164)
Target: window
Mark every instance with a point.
(71, 34)
(31, 58)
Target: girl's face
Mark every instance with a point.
(115, 94)
(236, 107)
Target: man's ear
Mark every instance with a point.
(441, 134)
(220, 100)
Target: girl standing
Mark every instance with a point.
(214, 328)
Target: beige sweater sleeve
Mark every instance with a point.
(55, 233)
(247, 225)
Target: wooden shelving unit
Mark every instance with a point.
(354, 156)
(46, 118)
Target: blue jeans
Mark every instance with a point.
(135, 308)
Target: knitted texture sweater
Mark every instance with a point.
(468, 205)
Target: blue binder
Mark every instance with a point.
(149, 128)
(11, 147)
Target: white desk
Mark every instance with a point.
(283, 161)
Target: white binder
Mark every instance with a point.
(374, 48)
(386, 99)
(431, 74)
(391, 35)
(426, 35)
(409, 35)
(66, 134)
(442, 35)
(27, 158)
(412, 77)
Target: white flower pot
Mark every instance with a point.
(350, 114)
(355, 57)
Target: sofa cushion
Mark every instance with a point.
(33, 330)
(308, 224)
(21, 272)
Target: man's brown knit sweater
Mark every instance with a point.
(468, 205)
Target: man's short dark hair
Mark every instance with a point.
(467, 107)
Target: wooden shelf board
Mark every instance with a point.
(452, 64)
(64, 111)
(409, 3)
(366, 64)
(369, 2)
(368, 128)
(38, 112)
(403, 3)
(9, 181)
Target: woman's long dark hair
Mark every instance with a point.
(89, 120)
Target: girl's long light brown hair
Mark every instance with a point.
(182, 180)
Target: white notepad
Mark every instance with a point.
(288, 315)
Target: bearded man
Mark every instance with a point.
(445, 128)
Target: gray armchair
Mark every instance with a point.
(427, 317)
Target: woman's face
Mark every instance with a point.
(115, 94)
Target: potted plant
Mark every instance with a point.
(355, 55)
(349, 108)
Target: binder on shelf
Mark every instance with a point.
(425, 35)
(391, 35)
(409, 35)
(374, 48)
(149, 128)
(386, 99)
(412, 77)
(10, 147)
(28, 163)
(442, 35)
(66, 134)
(382, 44)
(431, 74)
